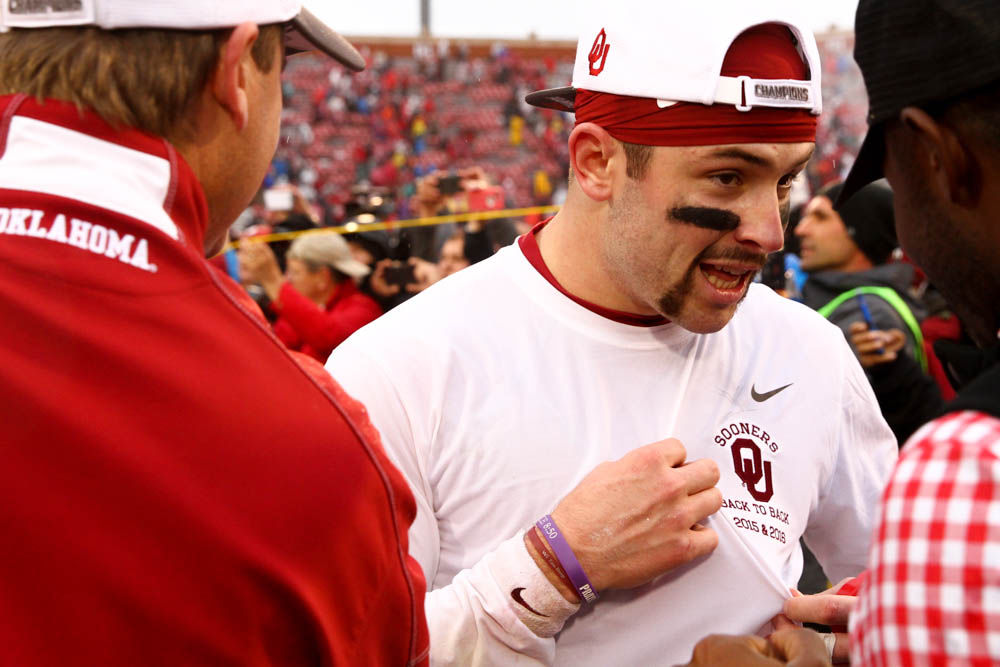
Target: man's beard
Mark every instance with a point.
(671, 302)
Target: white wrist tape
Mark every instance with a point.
(531, 596)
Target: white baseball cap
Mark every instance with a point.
(307, 29)
(673, 52)
(327, 249)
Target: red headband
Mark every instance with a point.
(764, 51)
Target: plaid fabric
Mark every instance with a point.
(932, 594)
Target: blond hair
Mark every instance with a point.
(142, 78)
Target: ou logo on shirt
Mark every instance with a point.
(751, 468)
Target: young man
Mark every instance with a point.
(849, 249)
(501, 390)
(154, 508)
(318, 305)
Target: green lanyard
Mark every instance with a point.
(890, 296)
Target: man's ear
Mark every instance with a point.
(951, 166)
(593, 155)
(329, 277)
(231, 76)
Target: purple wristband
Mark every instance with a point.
(567, 558)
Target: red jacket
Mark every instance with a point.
(175, 488)
(304, 327)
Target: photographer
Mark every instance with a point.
(317, 301)
(396, 280)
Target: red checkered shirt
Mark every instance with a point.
(932, 592)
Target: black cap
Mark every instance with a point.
(868, 218)
(915, 52)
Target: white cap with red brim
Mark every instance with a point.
(307, 29)
(673, 52)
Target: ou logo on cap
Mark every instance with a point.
(598, 52)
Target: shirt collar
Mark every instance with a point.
(529, 246)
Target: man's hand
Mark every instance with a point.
(425, 274)
(259, 265)
(378, 282)
(428, 199)
(826, 608)
(633, 519)
(875, 347)
(791, 646)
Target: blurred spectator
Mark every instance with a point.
(453, 257)
(846, 253)
(318, 305)
(395, 281)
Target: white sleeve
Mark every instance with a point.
(473, 620)
(840, 529)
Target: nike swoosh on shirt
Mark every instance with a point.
(760, 398)
(516, 594)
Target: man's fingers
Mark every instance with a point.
(670, 452)
(800, 647)
(703, 541)
(894, 338)
(857, 327)
(782, 622)
(825, 609)
(704, 504)
(699, 475)
(870, 341)
(732, 651)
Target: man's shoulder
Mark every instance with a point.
(461, 298)
(767, 310)
(958, 452)
(961, 433)
(768, 325)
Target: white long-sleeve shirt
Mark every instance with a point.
(495, 395)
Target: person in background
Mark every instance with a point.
(317, 301)
(451, 259)
(177, 487)
(846, 252)
(394, 281)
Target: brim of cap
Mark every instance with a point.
(352, 267)
(867, 168)
(308, 32)
(560, 99)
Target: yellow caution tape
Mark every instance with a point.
(353, 227)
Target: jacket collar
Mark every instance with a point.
(55, 148)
